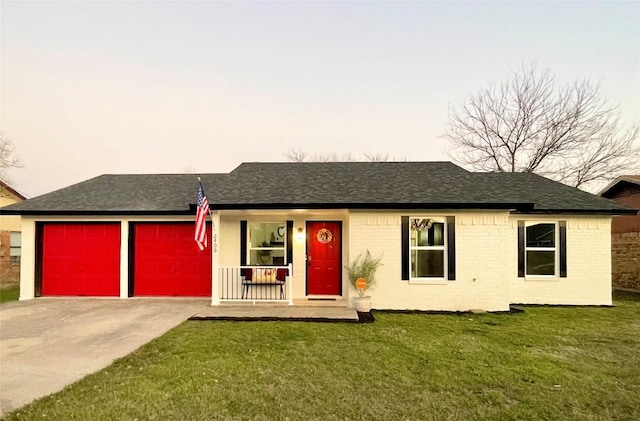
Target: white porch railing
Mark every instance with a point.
(255, 283)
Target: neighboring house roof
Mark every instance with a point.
(623, 179)
(4, 187)
(325, 185)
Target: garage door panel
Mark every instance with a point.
(55, 283)
(93, 254)
(188, 249)
(168, 262)
(81, 259)
(100, 285)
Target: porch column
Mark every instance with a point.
(290, 279)
(215, 247)
(28, 259)
(124, 258)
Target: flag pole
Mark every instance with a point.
(215, 296)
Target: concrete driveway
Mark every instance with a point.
(48, 343)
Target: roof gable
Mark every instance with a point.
(624, 182)
(7, 191)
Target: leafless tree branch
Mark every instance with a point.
(531, 123)
(8, 157)
(298, 155)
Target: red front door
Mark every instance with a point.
(324, 258)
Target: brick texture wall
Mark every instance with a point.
(480, 276)
(588, 280)
(9, 271)
(626, 260)
(625, 238)
(486, 263)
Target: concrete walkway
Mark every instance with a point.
(48, 343)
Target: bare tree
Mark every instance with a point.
(298, 155)
(377, 157)
(8, 157)
(531, 123)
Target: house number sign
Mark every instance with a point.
(324, 236)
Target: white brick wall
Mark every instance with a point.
(486, 260)
(588, 280)
(480, 278)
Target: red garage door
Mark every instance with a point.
(81, 259)
(167, 261)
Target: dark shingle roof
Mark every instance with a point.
(371, 185)
(547, 195)
(120, 193)
(343, 183)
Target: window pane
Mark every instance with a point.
(16, 237)
(15, 251)
(269, 257)
(270, 234)
(541, 235)
(433, 236)
(427, 263)
(541, 262)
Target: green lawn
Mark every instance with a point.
(10, 293)
(548, 363)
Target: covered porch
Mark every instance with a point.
(280, 258)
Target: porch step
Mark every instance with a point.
(321, 302)
(278, 312)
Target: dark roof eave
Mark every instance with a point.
(579, 211)
(97, 212)
(266, 206)
(515, 208)
(439, 205)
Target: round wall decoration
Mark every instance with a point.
(324, 236)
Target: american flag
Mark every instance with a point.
(201, 218)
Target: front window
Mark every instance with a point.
(427, 248)
(540, 249)
(267, 244)
(15, 250)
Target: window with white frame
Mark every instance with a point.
(540, 248)
(427, 238)
(15, 250)
(267, 244)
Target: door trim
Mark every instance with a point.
(306, 253)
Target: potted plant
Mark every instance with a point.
(361, 273)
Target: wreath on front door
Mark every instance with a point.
(324, 236)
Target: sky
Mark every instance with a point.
(89, 88)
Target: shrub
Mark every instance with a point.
(364, 266)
